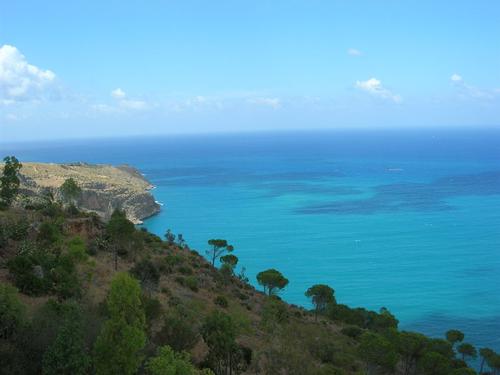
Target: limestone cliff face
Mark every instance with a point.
(104, 187)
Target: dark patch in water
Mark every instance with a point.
(219, 176)
(413, 196)
(273, 190)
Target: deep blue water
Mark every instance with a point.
(406, 220)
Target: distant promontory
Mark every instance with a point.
(104, 187)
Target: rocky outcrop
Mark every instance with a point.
(104, 187)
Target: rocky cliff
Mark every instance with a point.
(104, 187)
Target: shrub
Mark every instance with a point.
(172, 260)
(185, 270)
(274, 312)
(192, 283)
(29, 272)
(40, 272)
(179, 331)
(12, 311)
(52, 210)
(18, 231)
(77, 249)
(221, 301)
(323, 348)
(169, 362)
(242, 296)
(119, 347)
(68, 353)
(152, 308)
(352, 331)
(64, 277)
(49, 233)
(98, 244)
(147, 273)
(330, 370)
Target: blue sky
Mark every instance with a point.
(104, 68)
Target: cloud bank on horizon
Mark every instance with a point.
(231, 78)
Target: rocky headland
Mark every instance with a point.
(104, 187)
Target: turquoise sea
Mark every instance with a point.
(405, 220)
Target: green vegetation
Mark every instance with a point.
(272, 280)
(219, 332)
(322, 296)
(118, 349)
(12, 311)
(218, 247)
(168, 362)
(9, 181)
(70, 191)
(454, 336)
(107, 298)
(119, 231)
(68, 354)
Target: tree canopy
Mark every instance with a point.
(321, 295)
(118, 349)
(70, 191)
(467, 351)
(272, 280)
(378, 353)
(9, 181)
(68, 354)
(218, 247)
(454, 335)
(12, 311)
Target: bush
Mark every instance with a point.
(323, 349)
(152, 308)
(12, 311)
(178, 331)
(18, 231)
(330, 370)
(172, 260)
(242, 296)
(77, 249)
(146, 272)
(41, 272)
(352, 331)
(52, 210)
(29, 272)
(192, 283)
(221, 301)
(169, 362)
(64, 277)
(49, 233)
(185, 270)
(68, 353)
(97, 245)
(274, 312)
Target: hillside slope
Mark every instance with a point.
(58, 259)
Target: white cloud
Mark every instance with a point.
(468, 91)
(354, 52)
(124, 102)
(374, 87)
(19, 80)
(137, 105)
(118, 93)
(274, 103)
(103, 108)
